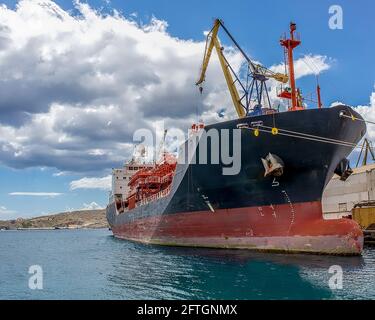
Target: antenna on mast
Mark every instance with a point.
(318, 92)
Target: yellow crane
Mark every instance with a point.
(367, 147)
(256, 72)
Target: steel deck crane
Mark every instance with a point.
(253, 89)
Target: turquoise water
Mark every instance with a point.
(91, 264)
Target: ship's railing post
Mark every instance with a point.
(156, 196)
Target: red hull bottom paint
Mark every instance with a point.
(287, 228)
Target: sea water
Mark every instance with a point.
(92, 264)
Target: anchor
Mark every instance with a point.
(273, 165)
(343, 169)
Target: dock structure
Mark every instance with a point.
(364, 214)
(353, 198)
(340, 197)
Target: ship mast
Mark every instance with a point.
(318, 95)
(289, 45)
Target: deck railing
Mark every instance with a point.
(155, 196)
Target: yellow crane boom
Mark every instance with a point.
(214, 42)
(259, 72)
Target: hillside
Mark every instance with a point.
(74, 219)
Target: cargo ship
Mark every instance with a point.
(273, 201)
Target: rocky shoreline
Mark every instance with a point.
(84, 219)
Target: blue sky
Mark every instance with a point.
(257, 26)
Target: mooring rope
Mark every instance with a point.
(311, 136)
(307, 137)
(355, 118)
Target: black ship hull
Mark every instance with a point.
(248, 210)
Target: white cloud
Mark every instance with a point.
(73, 93)
(307, 65)
(368, 113)
(6, 214)
(59, 174)
(36, 194)
(91, 206)
(103, 183)
(5, 211)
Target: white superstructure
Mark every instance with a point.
(121, 177)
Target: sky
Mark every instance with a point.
(77, 78)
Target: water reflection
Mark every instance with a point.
(91, 264)
(156, 272)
